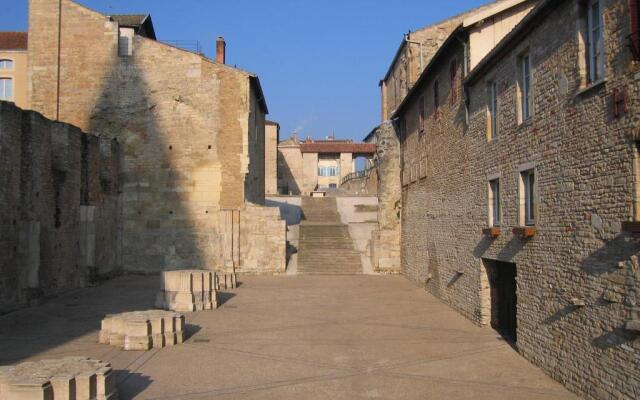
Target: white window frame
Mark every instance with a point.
(492, 110)
(3, 89)
(495, 206)
(6, 64)
(526, 87)
(595, 41)
(528, 197)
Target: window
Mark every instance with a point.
(495, 211)
(595, 48)
(6, 89)
(524, 85)
(528, 197)
(125, 42)
(6, 64)
(492, 114)
(328, 171)
(436, 98)
(453, 84)
(421, 114)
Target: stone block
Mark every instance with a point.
(143, 330)
(187, 291)
(72, 378)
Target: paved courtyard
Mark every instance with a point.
(293, 337)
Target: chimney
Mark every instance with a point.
(220, 50)
(294, 136)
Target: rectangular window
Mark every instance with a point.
(6, 64)
(6, 89)
(421, 114)
(528, 197)
(492, 115)
(495, 211)
(595, 48)
(453, 81)
(526, 100)
(327, 171)
(125, 42)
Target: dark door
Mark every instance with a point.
(507, 300)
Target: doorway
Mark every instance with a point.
(504, 300)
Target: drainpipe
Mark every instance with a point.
(408, 40)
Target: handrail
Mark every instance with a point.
(358, 174)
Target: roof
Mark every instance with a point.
(14, 40)
(523, 28)
(427, 69)
(485, 11)
(490, 11)
(141, 23)
(337, 147)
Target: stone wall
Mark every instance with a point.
(577, 278)
(59, 207)
(386, 239)
(271, 174)
(366, 185)
(192, 131)
(290, 174)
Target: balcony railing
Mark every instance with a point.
(358, 174)
(188, 45)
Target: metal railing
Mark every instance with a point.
(188, 45)
(358, 174)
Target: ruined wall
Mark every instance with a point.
(192, 132)
(271, 158)
(290, 179)
(54, 174)
(386, 239)
(577, 278)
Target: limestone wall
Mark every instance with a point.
(192, 131)
(58, 207)
(386, 238)
(271, 158)
(577, 278)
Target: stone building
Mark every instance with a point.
(487, 25)
(271, 173)
(191, 132)
(520, 189)
(13, 67)
(309, 165)
(59, 207)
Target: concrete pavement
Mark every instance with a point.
(289, 337)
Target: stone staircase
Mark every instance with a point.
(325, 246)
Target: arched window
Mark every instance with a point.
(6, 64)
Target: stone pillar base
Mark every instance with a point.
(64, 379)
(143, 330)
(187, 291)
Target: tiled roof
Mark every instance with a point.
(327, 147)
(14, 40)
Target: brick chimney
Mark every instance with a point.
(220, 50)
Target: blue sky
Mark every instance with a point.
(319, 61)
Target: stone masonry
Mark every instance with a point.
(58, 207)
(64, 379)
(187, 291)
(191, 131)
(576, 266)
(143, 330)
